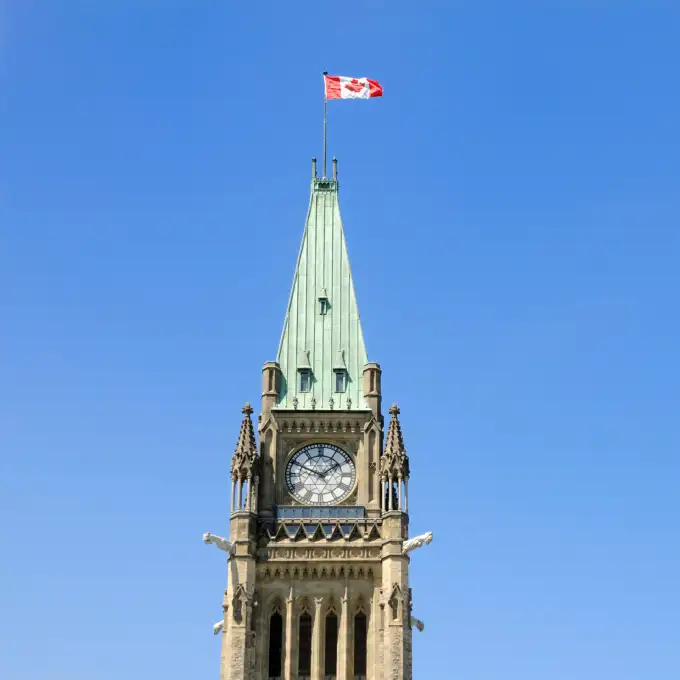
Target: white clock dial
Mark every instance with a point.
(320, 474)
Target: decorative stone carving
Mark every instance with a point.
(301, 572)
(394, 462)
(396, 603)
(416, 542)
(239, 603)
(219, 542)
(334, 423)
(322, 553)
(245, 459)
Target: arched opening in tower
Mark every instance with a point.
(305, 648)
(331, 647)
(360, 644)
(275, 645)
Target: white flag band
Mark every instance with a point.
(341, 87)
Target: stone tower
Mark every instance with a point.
(318, 583)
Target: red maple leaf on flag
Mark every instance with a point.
(354, 85)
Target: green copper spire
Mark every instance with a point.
(322, 352)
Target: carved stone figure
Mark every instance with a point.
(417, 623)
(416, 542)
(221, 543)
(217, 628)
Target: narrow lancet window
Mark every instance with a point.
(305, 381)
(331, 648)
(360, 643)
(305, 649)
(275, 646)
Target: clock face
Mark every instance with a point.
(320, 474)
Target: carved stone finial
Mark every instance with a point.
(394, 461)
(331, 403)
(295, 403)
(313, 403)
(245, 458)
(349, 403)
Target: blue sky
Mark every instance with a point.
(512, 210)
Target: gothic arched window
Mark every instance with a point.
(331, 646)
(275, 645)
(305, 647)
(360, 644)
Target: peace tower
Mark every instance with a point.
(318, 546)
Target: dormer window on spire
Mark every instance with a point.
(340, 371)
(324, 304)
(340, 381)
(304, 371)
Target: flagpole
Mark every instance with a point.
(325, 101)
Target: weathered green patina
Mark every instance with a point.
(322, 331)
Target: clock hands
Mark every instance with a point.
(328, 469)
(304, 467)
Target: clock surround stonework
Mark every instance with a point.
(319, 592)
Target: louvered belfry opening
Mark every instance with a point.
(360, 633)
(331, 647)
(305, 647)
(275, 646)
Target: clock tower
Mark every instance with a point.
(318, 585)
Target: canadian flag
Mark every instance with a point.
(341, 87)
